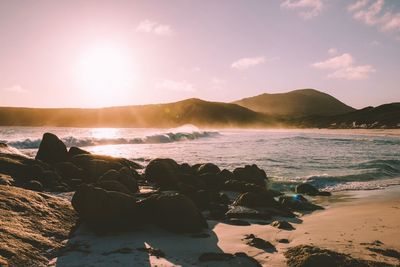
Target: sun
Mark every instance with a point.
(105, 73)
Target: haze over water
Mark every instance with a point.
(333, 160)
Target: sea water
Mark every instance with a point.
(333, 160)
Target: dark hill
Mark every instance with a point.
(298, 103)
(195, 111)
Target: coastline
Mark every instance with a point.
(352, 223)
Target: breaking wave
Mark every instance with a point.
(91, 141)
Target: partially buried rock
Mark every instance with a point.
(51, 149)
(284, 225)
(310, 190)
(173, 212)
(105, 210)
(298, 203)
(259, 243)
(309, 256)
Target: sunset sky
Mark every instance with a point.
(106, 53)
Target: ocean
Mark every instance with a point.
(333, 160)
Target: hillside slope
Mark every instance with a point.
(298, 103)
(195, 111)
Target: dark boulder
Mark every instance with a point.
(284, 225)
(35, 185)
(213, 181)
(208, 168)
(298, 203)
(69, 171)
(256, 199)
(227, 174)
(113, 186)
(105, 210)
(73, 151)
(124, 176)
(242, 187)
(94, 167)
(310, 190)
(51, 149)
(163, 172)
(173, 212)
(251, 174)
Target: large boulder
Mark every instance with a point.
(213, 181)
(51, 149)
(125, 176)
(256, 199)
(251, 174)
(173, 212)
(74, 151)
(105, 210)
(164, 172)
(208, 168)
(113, 186)
(31, 225)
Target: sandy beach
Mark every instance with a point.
(354, 222)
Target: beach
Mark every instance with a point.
(352, 223)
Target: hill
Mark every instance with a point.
(298, 103)
(195, 111)
(384, 116)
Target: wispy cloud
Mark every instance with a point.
(149, 26)
(247, 62)
(332, 51)
(375, 13)
(344, 67)
(182, 86)
(15, 89)
(307, 9)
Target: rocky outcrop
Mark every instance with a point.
(251, 174)
(32, 224)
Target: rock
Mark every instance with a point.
(224, 199)
(105, 210)
(124, 176)
(237, 222)
(240, 212)
(242, 187)
(51, 149)
(310, 190)
(173, 212)
(69, 171)
(256, 199)
(251, 174)
(32, 224)
(309, 256)
(283, 241)
(228, 175)
(153, 252)
(35, 185)
(113, 186)
(73, 151)
(164, 172)
(282, 225)
(259, 243)
(213, 181)
(6, 179)
(298, 203)
(208, 168)
(128, 177)
(94, 167)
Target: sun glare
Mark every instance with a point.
(105, 73)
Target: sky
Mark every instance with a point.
(73, 53)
